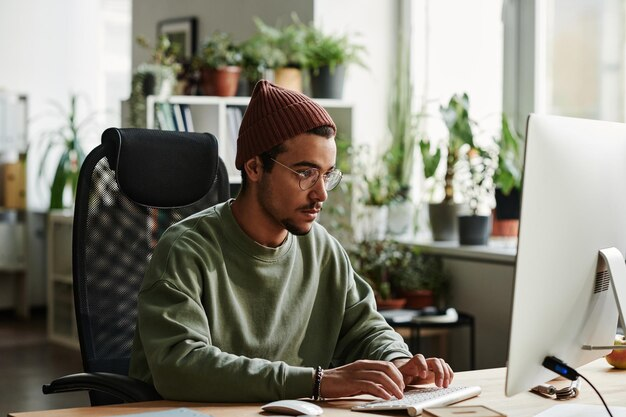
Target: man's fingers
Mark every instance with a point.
(443, 373)
(387, 368)
(378, 378)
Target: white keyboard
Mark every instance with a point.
(416, 400)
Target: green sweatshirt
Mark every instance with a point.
(224, 319)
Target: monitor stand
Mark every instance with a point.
(616, 267)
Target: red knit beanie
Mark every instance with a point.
(274, 115)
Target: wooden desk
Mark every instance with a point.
(609, 381)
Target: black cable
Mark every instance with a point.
(599, 395)
(556, 365)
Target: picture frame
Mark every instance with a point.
(182, 31)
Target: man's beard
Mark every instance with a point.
(293, 229)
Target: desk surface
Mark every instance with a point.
(609, 381)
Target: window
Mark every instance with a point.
(581, 71)
(457, 47)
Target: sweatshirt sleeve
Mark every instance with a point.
(364, 332)
(174, 334)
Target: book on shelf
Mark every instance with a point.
(165, 116)
(178, 118)
(187, 119)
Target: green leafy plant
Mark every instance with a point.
(257, 56)
(430, 163)
(456, 118)
(164, 53)
(286, 45)
(378, 187)
(391, 268)
(418, 271)
(157, 77)
(219, 50)
(508, 174)
(325, 49)
(67, 139)
(373, 260)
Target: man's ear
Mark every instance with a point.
(254, 168)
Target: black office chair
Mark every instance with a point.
(130, 189)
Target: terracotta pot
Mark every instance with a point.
(289, 78)
(505, 228)
(419, 299)
(220, 81)
(390, 304)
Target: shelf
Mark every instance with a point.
(61, 315)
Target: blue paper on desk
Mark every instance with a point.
(175, 412)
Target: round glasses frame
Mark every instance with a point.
(309, 177)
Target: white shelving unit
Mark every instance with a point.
(210, 114)
(61, 316)
(13, 145)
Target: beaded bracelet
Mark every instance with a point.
(317, 384)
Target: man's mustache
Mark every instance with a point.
(312, 206)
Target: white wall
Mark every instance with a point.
(232, 16)
(49, 50)
(366, 88)
(375, 23)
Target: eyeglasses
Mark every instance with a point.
(309, 177)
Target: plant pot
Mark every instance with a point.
(390, 303)
(289, 78)
(325, 84)
(507, 206)
(473, 230)
(419, 299)
(220, 81)
(444, 221)
(374, 222)
(400, 218)
(504, 227)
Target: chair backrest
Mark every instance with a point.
(131, 187)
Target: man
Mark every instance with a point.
(252, 300)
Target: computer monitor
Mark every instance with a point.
(573, 205)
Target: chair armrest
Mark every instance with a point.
(125, 388)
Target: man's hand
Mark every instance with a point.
(379, 378)
(419, 370)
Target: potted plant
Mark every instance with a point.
(66, 139)
(220, 61)
(258, 57)
(443, 215)
(474, 171)
(508, 180)
(374, 260)
(420, 279)
(327, 56)
(288, 49)
(377, 190)
(155, 78)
